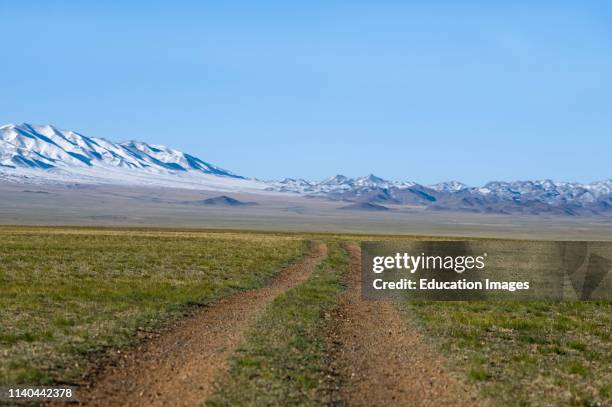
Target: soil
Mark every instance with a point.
(178, 367)
(380, 360)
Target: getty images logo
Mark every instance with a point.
(405, 261)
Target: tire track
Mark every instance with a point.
(179, 367)
(380, 360)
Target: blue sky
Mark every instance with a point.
(405, 90)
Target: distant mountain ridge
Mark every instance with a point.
(46, 154)
(224, 200)
(46, 147)
(364, 206)
(529, 197)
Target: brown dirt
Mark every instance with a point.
(381, 360)
(178, 367)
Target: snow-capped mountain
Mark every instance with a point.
(450, 186)
(337, 184)
(543, 196)
(46, 154)
(46, 147)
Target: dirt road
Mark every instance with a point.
(179, 367)
(382, 361)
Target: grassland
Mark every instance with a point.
(283, 361)
(515, 353)
(68, 294)
(526, 353)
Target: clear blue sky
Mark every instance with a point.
(405, 90)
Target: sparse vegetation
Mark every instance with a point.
(66, 294)
(282, 362)
(69, 294)
(526, 353)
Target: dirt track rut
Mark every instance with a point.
(382, 361)
(179, 367)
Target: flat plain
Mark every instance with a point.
(75, 300)
(106, 205)
(67, 294)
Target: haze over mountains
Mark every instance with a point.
(44, 154)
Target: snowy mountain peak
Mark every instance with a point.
(371, 181)
(450, 186)
(33, 154)
(47, 147)
(335, 180)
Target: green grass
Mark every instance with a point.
(526, 353)
(282, 362)
(68, 294)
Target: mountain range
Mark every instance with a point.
(46, 154)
